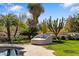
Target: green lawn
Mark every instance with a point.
(68, 48)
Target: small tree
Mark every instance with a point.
(18, 22)
(72, 24)
(55, 26)
(31, 30)
(43, 26)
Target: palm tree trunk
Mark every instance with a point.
(16, 30)
(8, 32)
(35, 20)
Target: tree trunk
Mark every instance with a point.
(16, 31)
(56, 37)
(35, 19)
(8, 32)
(29, 37)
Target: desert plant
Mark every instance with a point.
(72, 24)
(55, 26)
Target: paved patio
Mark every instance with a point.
(33, 50)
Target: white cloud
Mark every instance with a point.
(25, 15)
(76, 8)
(71, 6)
(28, 14)
(16, 8)
(68, 4)
(65, 5)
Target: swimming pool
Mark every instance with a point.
(10, 51)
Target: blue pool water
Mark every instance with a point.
(11, 52)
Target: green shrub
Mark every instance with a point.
(21, 41)
(30, 32)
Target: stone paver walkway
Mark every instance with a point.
(33, 50)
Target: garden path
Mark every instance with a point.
(33, 50)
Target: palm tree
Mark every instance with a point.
(16, 23)
(8, 22)
(2, 26)
(35, 9)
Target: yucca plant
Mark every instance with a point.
(55, 25)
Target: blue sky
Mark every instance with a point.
(56, 10)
